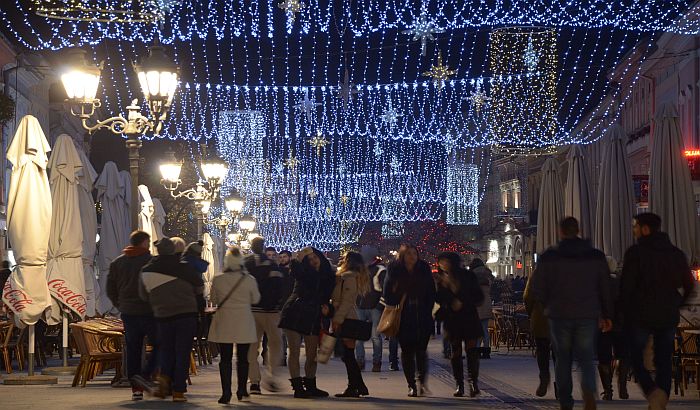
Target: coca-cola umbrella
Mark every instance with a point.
(145, 222)
(64, 273)
(28, 220)
(112, 236)
(88, 220)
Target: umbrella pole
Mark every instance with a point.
(64, 370)
(30, 349)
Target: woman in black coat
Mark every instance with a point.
(459, 294)
(314, 281)
(411, 277)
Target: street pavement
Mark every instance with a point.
(508, 381)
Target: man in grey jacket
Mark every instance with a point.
(572, 283)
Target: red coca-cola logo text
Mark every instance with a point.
(16, 298)
(70, 298)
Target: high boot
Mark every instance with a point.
(422, 367)
(298, 387)
(543, 366)
(606, 376)
(225, 370)
(622, 372)
(473, 369)
(408, 362)
(458, 373)
(356, 386)
(311, 389)
(242, 377)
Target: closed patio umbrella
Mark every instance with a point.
(65, 256)
(670, 187)
(145, 222)
(88, 220)
(577, 194)
(208, 255)
(125, 178)
(551, 206)
(613, 217)
(112, 236)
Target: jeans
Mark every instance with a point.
(311, 347)
(373, 316)
(266, 323)
(486, 340)
(663, 352)
(135, 329)
(176, 337)
(574, 338)
(393, 350)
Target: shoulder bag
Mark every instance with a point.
(390, 322)
(230, 292)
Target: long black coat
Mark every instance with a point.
(417, 314)
(302, 311)
(462, 324)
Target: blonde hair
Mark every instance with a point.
(180, 244)
(352, 261)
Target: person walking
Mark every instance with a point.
(267, 316)
(314, 282)
(459, 294)
(410, 278)
(352, 281)
(656, 280)
(543, 343)
(123, 291)
(485, 310)
(284, 258)
(572, 283)
(613, 346)
(233, 291)
(172, 288)
(369, 309)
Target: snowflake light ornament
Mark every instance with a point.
(423, 29)
(390, 116)
(291, 8)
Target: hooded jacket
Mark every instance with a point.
(653, 272)
(270, 283)
(171, 287)
(572, 281)
(123, 282)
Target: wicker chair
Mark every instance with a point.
(10, 346)
(99, 350)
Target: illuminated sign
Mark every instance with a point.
(692, 153)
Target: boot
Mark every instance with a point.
(543, 366)
(544, 385)
(311, 389)
(473, 369)
(486, 353)
(298, 387)
(458, 373)
(422, 367)
(606, 376)
(589, 401)
(242, 377)
(356, 386)
(622, 372)
(409, 371)
(225, 376)
(163, 390)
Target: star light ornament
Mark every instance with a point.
(440, 73)
(291, 162)
(308, 106)
(478, 98)
(423, 29)
(291, 8)
(319, 142)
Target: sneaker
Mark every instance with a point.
(394, 367)
(423, 390)
(136, 395)
(179, 397)
(255, 389)
(143, 384)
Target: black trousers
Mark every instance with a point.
(226, 366)
(414, 357)
(543, 351)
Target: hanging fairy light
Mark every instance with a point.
(524, 105)
(102, 11)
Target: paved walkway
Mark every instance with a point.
(507, 381)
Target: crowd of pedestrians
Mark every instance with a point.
(268, 304)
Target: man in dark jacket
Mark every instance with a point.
(123, 291)
(572, 283)
(267, 315)
(656, 280)
(284, 259)
(369, 309)
(171, 287)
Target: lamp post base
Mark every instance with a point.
(38, 379)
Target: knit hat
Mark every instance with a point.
(165, 246)
(194, 248)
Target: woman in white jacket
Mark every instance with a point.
(234, 291)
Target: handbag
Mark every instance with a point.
(326, 348)
(230, 292)
(356, 330)
(390, 322)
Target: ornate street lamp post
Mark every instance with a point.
(158, 77)
(204, 192)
